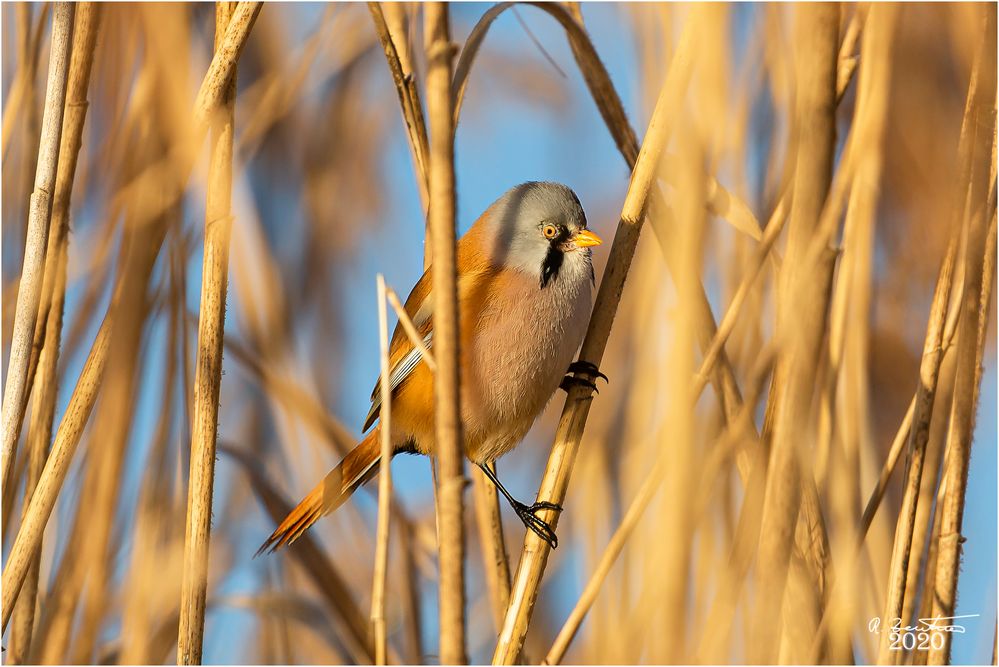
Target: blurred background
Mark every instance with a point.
(325, 198)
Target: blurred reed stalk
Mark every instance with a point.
(208, 373)
(804, 295)
(19, 98)
(48, 329)
(17, 387)
(448, 446)
(555, 482)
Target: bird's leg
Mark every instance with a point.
(527, 513)
(582, 367)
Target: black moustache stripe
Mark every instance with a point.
(551, 265)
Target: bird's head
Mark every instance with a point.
(540, 228)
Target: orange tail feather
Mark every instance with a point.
(357, 467)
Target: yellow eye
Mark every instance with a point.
(549, 231)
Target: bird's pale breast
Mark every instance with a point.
(525, 338)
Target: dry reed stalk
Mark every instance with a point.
(654, 478)
(215, 85)
(973, 161)
(49, 327)
(29, 291)
(398, 55)
(967, 383)
(933, 461)
(39, 435)
(485, 497)
(804, 293)
(728, 322)
(635, 511)
(157, 514)
(683, 475)
(384, 485)
(407, 325)
(113, 421)
(918, 436)
(495, 561)
(29, 534)
(848, 347)
(980, 266)
(555, 482)
(28, 540)
(612, 110)
(208, 374)
(447, 380)
(847, 62)
(898, 444)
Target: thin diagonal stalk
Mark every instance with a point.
(29, 534)
(573, 420)
(404, 78)
(29, 292)
(410, 329)
(208, 376)
(447, 379)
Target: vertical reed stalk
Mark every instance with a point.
(804, 293)
(447, 380)
(554, 485)
(29, 292)
(384, 484)
(208, 374)
(53, 292)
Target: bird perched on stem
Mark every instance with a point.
(524, 280)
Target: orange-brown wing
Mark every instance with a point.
(404, 357)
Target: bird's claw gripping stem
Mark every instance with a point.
(540, 527)
(582, 367)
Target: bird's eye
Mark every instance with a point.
(549, 231)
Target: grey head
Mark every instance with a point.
(540, 228)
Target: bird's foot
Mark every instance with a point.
(541, 528)
(582, 367)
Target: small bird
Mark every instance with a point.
(524, 279)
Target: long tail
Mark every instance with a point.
(355, 469)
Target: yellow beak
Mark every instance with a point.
(586, 238)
